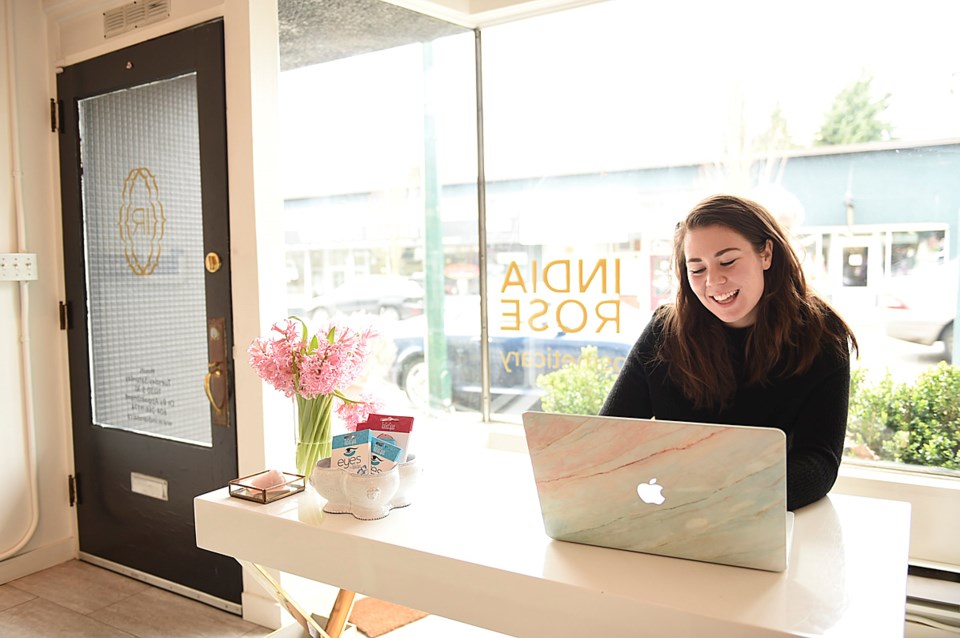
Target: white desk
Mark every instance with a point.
(471, 547)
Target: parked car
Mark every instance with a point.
(517, 359)
(921, 307)
(392, 297)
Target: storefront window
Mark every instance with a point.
(380, 163)
(855, 265)
(602, 126)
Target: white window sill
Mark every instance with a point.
(935, 501)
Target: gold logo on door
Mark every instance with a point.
(141, 222)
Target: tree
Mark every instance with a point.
(855, 116)
(777, 136)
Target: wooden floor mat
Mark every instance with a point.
(375, 617)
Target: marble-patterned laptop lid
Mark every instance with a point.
(714, 493)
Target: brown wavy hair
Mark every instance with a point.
(792, 325)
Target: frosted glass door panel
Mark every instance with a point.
(143, 228)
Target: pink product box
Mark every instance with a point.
(351, 452)
(384, 456)
(396, 429)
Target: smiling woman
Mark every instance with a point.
(745, 343)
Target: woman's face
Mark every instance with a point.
(726, 273)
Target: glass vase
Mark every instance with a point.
(313, 431)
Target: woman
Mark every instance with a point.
(746, 343)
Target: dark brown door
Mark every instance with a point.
(146, 258)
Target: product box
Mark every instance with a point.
(396, 429)
(384, 455)
(351, 452)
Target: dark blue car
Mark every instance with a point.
(516, 361)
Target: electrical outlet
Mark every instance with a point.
(18, 266)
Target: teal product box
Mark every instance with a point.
(351, 452)
(384, 455)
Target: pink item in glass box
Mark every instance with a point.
(396, 429)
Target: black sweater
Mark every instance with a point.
(810, 408)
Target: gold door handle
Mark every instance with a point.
(218, 376)
(214, 372)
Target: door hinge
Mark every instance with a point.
(56, 115)
(65, 319)
(73, 488)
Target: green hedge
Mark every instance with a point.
(578, 388)
(915, 422)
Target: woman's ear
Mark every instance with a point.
(766, 255)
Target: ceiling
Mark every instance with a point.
(315, 31)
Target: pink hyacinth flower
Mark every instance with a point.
(356, 412)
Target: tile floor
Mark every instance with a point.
(81, 600)
(917, 630)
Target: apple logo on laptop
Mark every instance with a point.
(651, 492)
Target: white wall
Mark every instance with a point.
(55, 538)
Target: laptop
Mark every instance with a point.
(706, 492)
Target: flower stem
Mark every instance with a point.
(313, 431)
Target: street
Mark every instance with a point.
(878, 352)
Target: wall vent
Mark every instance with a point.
(134, 15)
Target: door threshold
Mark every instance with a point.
(163, 583)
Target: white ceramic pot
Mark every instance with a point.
(328, 481)
(409, 475)
(369, 496)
